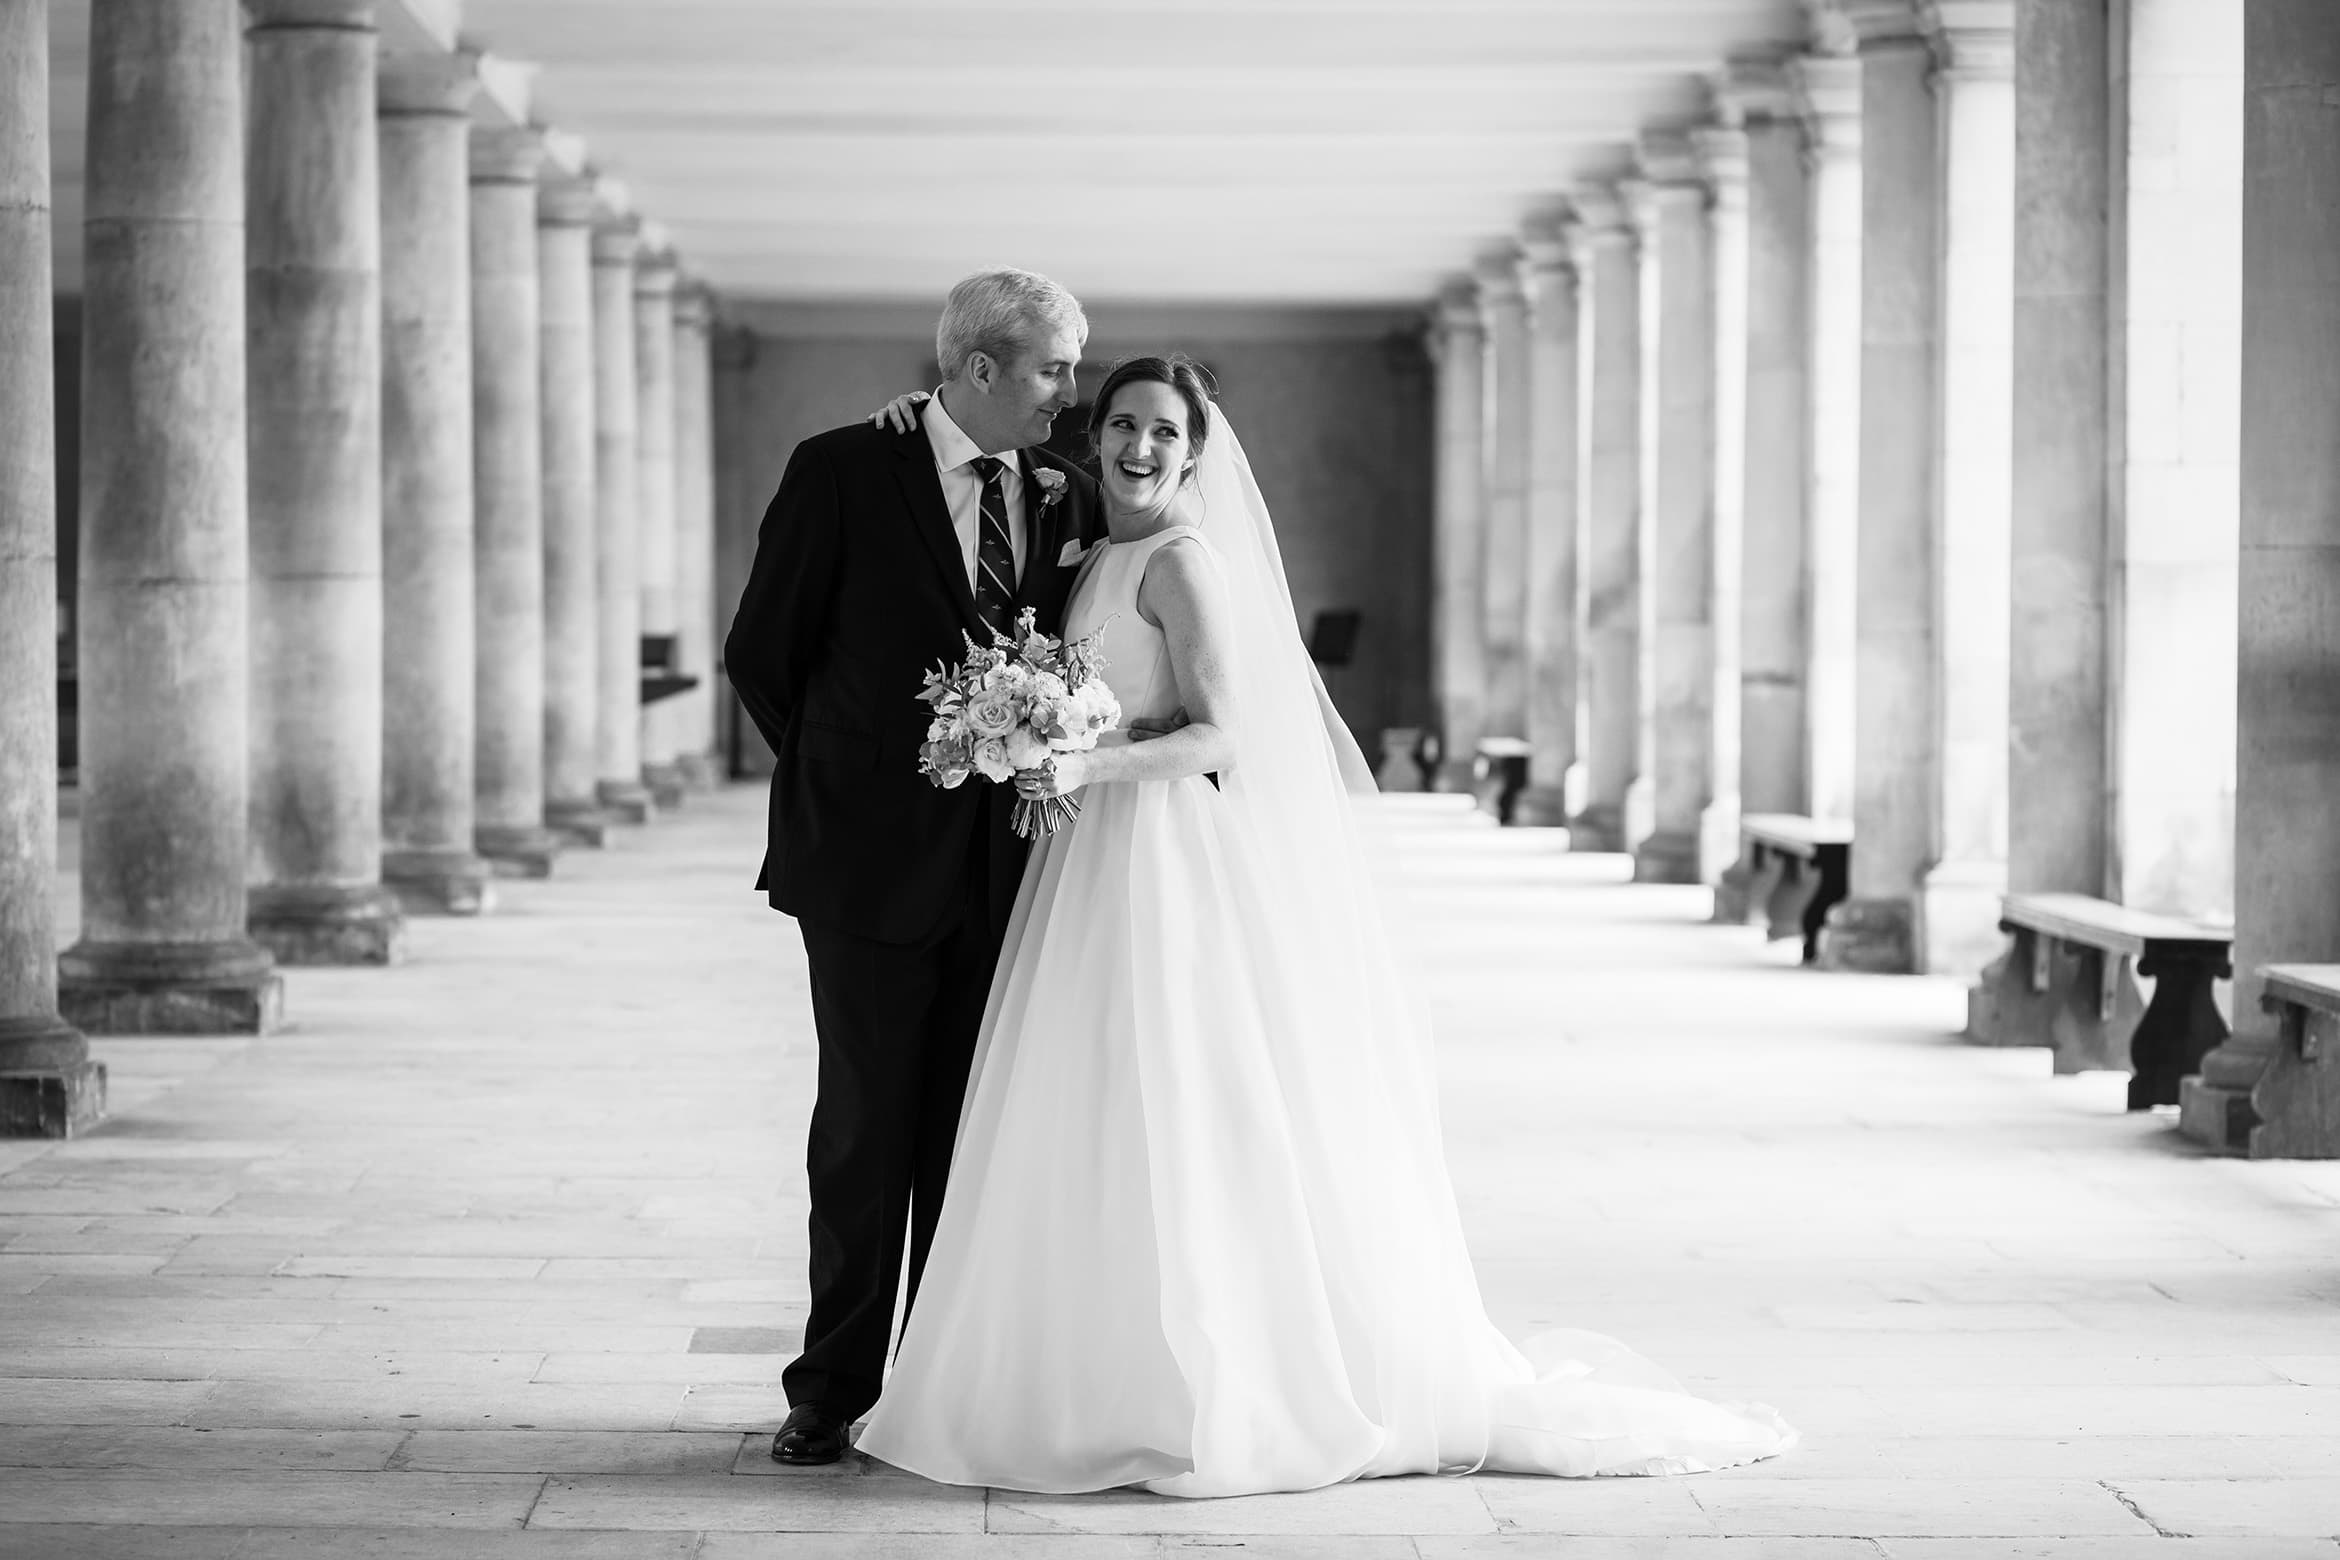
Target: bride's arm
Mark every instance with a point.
(1184, 595)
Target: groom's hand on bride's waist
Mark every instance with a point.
(1146, 730)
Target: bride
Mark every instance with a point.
(1199, 1234)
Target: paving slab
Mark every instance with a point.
(723, 1503)
(144, 1497)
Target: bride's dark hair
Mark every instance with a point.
(1181, 373)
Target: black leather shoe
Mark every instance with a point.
(809, 1436)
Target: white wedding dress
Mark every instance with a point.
(1199, 1233)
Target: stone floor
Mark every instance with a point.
(499, 1253)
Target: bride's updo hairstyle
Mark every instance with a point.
(1181, 373)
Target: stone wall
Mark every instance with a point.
(1333, 406)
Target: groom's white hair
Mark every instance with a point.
(995, 312)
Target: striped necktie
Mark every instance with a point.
(995, 554)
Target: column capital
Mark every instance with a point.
(1547, 267)
(1544, 249)
(1754, 89)
(694, 305)
(616, 241)
(1722, 158)
(1502, 297)
(1862, 26)
(1666, 159)
(565, 199)
(655, 272)
(1828, 99)
(505, 154)
(1669, 180)
(427, 84)
(318, 15)
(1597, 219)
(1458, 309)
(1973, 39)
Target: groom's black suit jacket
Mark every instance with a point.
(858, 590)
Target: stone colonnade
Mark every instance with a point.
(1948, 463)
(368, 476)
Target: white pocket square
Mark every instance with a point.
(1074, 552)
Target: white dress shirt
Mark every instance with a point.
(954, 455)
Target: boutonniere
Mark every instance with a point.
(1051, 483)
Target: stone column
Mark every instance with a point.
(617, 482)
(572, 606)
(741, 491)
(1461, 644)
(1503, 588)
(1722, 160)
(48, 1085)
(694, 537)
(2179, 291)
(1549, 278)
(2259, 1094)
(314, 385)
(1828, 90)
(1608, 506)
(1676, 734)
(164, 659)
(2058, 756)
(1771, 433)
(1896, 740)
(430, 591)
(654, 277)
(507, 507)
(1975, 88)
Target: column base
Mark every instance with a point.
(1961, 933)
(60, 1104)
(1597, 828)
(438, 882)
(169, 989)
(623, 801)
(49, 1088)
(1639, 820)
(665, 784)
(578, 823)
(521, 852)
(1400, 768)
(1541, 807)
(330, 925)
(1735, 901)
(1869, 936)
(1668, 856)
(701, 772)
(2214, 1107)
(1718, 839)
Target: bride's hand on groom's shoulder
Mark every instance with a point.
(901, 413)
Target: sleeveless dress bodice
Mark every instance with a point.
(1137, 657)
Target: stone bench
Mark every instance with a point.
(1500, 774)
(1791, 870)
(2068, 981)
(2291, 1108)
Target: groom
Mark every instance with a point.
(879, 553)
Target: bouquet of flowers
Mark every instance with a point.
(1013, 706)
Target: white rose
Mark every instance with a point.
(1024, 750)
(991, 715)
(991, 760)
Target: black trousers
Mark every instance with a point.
(897, 1027)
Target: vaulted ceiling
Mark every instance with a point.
(1257, 150)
